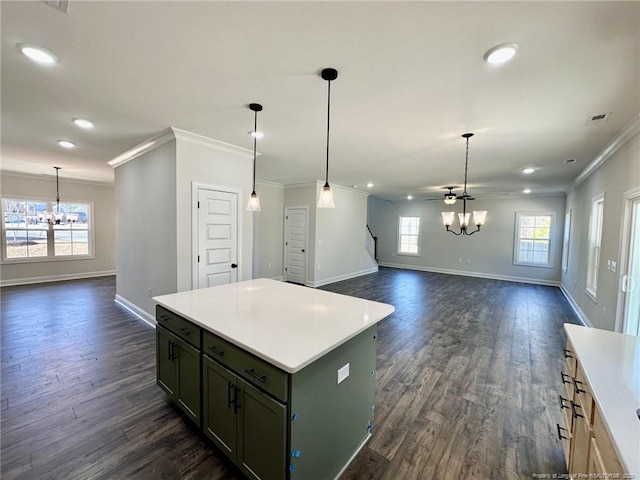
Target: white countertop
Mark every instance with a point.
(287, 325)
(611, 363)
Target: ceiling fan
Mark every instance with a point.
(450, 197)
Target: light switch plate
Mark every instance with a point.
(343, 373)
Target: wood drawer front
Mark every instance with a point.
(184, 329)
(570, 359)
(608, 457)
(219, 349)
(583, 395)
(253, 369)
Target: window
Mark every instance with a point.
(28, 237)
(409, 235)
(595, 237)
(533, 239)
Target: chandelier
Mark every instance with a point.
(57, 217)
(479, 216)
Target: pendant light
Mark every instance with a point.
(479, 216)
(326, 196)
(56, 217)
(254, 202)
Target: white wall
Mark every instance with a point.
(343, 253)
(214, 164)
(488, 253)
(620, 173)
(146, 235)
(268, 232)
(44, 187)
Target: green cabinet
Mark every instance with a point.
(245, 423)
(272, 424)
(178, 372)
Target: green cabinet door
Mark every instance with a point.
(262, 434)
(219, 406)
(188, 379)
(165, 364)
(178, 372)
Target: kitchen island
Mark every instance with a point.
(280, 377)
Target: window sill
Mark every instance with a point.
(19, 261)
(539, 265)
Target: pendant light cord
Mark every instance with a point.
(57, 191)
(326, 180)
(255, 139)
(466, 166)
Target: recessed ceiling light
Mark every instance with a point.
(83, 123)
(256, 134)
(526, 190)
(409, 197)
(369, 185)
(66, 144)
(38, 54)
(354, 186)
(501, 53)
(528, 171)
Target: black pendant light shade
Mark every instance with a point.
(326, 196)
(254, 202)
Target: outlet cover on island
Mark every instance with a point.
(343, 373)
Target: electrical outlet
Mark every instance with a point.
(149, 292)
(614, 266)
(343, 373)
(320, 243)
(269, 264)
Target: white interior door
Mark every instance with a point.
(295, 245)
(630, 280)
(217, 238)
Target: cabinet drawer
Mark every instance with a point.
(219, 349)
(184, 329)
(570, 359)
(253, 369)
(262, 374)
(583, 394)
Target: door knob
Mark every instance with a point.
(233, 265)
(302, 250)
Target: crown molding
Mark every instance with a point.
(272, 184)
(211, 143)
(154, 142)
(626, 134)
(51, 178)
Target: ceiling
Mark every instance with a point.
(411, 80)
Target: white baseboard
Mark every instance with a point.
(55, 278)
(464, 273)
(137, 311)
(576, 308)
(339, 278)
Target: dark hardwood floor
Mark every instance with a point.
(467, 382)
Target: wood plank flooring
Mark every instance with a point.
(467, 382)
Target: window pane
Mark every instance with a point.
(527, 221)
(16, 241)
(526, 232)
(543, 221)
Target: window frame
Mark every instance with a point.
(594, 242)
(400, 234)
(50, 231)
(517, 239)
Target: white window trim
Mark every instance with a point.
(66, 258)
(408, 254)
(593, 259)
(516, 240)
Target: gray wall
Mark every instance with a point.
(343, 253)
(620, 173)
(488, 253)
(146, 233)
(268, 232)
(44, 187)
